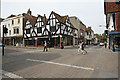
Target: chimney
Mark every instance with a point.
(44, 15)
(29, 12)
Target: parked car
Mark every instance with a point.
(95, 43)
(101, 44)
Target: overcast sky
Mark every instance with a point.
(90, 12)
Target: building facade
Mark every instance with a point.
(112, 12)
(15, 25)
(80, 26)
(89, 36)
(55, 30)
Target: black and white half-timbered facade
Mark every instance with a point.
(55, 29)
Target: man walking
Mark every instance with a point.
(45, 46)
(105, 44)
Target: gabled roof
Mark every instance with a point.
(44, 19)
(58, 16)
(11, 16)
(31, 18)
(89, 29)
(1, 19)
(62, 19)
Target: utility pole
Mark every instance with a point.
(3, 42)
(5, 30)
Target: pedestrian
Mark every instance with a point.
(62, 47)
(83, 50)
(45, 46)
(113, 46)
(80, 47)
(105, 44)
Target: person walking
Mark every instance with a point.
(113, 46)
(80, 47)
(62, 47)
(45, 46)
(83, 50)
(105, 44)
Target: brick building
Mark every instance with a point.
(112, 12)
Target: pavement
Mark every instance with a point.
(59, 63)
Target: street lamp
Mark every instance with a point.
(102, 26)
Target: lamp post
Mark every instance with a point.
(5, 30)
(106, 35)
(3, 42)
(49, 36)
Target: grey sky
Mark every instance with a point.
(90, 12)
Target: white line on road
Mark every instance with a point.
(10, 75)
(86, 68)
(33, 51)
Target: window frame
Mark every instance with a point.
(18, 20)
(12, 22)
(53, 28)
(39, 30)
(16, 30)
(27, 31)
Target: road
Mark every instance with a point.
(57, 63)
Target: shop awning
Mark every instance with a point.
(114, 33)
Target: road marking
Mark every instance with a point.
(33, 51)
(86, 68)
(10, 75)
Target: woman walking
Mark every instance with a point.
(80, 47)
(83, 50)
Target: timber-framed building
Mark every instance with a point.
(55, 30)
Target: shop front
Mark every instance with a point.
(13, 41)
(114, 36)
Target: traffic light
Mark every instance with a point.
(106, 32)
(5, 30)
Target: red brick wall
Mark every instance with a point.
(117, 21)
(111, 7)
